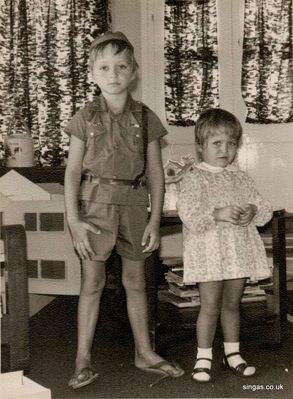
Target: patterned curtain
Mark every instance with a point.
(44, 77)
(191, 59)
(267, 71)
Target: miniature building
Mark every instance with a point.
(53, 266)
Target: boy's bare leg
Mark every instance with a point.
(133, 280)
(92, 285)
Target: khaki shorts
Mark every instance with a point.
(121, 226)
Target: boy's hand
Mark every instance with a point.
(80, 239)
(229, 213)
(248, 213)
(151, 238)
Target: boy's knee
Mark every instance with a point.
(93, 287)
(133, 284)
(133, 278)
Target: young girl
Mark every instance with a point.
(115, 143)
(220, 209)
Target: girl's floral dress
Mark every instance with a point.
(220, 251)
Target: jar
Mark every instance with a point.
(19, 149)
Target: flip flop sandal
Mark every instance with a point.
(158, 368)
(89, 375)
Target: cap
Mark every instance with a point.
(110, 36)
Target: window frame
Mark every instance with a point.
(230, 31)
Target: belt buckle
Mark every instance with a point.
(87, 178)
(136, 184)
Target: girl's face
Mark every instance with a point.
(219, 150)
(112, 72)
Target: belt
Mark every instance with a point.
(114, 182)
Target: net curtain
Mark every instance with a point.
(191, 59)
(44, 76)
(267, 67)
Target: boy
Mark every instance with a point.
(114, 145)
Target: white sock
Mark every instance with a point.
(205, 353)
(234, 361)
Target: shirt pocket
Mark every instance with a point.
(133, 138)
(96, 135)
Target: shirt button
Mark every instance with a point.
(92, 134)
(137, 135)
(114, 177)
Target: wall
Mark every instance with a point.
(267, 150)
(126, 17)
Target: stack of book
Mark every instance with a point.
(253, 292)
(182, 295)
(178, 293)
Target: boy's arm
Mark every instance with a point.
(73, 177)
(156, 183)
(78, 228)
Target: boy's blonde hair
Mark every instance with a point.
(118, 46)
(214, 121)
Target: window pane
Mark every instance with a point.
(54, 269)
(52, 222)
(30, 221)
(32, 268)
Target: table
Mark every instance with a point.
(171, 224)
(15, 323)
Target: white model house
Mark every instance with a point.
(53, 266)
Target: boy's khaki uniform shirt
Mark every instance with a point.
(114, 148)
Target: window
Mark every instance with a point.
(44, 221)
(191, 73)
(53, 269)
(32, 268)
(230, 31)
(51, 221)
(30, 221)
(266, 153)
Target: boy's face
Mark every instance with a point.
(219, 150)
(112, 72)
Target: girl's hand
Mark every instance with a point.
(248, 213)
(230, 214)
(151, 238)
(79, 231)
